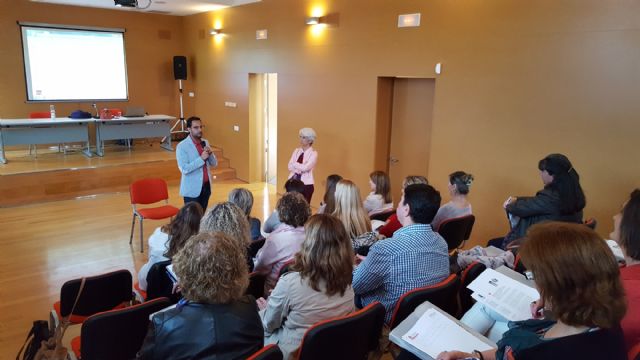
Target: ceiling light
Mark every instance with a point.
(312, 20)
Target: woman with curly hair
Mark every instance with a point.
(228, 218)
(282, 244)
(317, 288)
(579, 282)
(215, 318)
(166, 240)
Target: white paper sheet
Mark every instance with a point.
(434, 333)
(506, 296)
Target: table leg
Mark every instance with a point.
(87, 151)
(166, 143)
(99, 142)
(2, 158)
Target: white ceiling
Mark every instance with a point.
(169, 7)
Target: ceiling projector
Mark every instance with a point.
(126, 3)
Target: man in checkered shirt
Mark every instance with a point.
(414, 257)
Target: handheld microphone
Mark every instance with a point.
(204, 145)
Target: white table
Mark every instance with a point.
(134, 128)
(43, 131)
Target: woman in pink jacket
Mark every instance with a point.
(303, 160)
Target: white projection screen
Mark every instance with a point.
(67, 63)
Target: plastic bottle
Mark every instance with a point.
(52, 110)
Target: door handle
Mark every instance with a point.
(393, 160)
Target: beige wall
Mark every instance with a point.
(151, 41)
(520, 80)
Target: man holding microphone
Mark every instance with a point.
(195, 157)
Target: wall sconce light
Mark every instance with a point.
(313, 20)
(214, 32)
(409, 20)
(261, 34)
(438, 68)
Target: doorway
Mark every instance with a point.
(404, 118)
(263, 127)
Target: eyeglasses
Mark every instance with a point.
(529, 275)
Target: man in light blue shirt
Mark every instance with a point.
(195, 157)
(414, 257)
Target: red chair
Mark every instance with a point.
(591, 223)
(443, 295)
(351, 336)
(382, 216)
(634, 352)
(457, 230)
(285, 267)
(100, 293)
(145, 192)
(269, 352)
(468, 275)
(518, 265)
(116, 334)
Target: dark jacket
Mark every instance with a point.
(545, 206)
(205, 331)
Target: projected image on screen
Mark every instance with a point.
(69, 64)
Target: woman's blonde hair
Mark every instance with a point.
(228, 218)
(326, 256)
(212, 269)
(576, 273)
(349, 209)
(414, 179)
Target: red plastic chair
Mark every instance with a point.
(116, 334)
(456, 231)
(468, 275)
(269, 352)
(145, 192)
(351, 336)
(634, 352)
(444, 295)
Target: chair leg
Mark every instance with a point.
(133, 224)
(141, 242)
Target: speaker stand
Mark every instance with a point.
(181, 121)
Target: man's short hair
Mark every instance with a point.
(424, 202)
(294, 185)
(192, 119)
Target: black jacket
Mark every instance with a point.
(205, 331)
(545, 206)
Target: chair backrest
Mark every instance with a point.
(468, 275)
(351, 336)
(285, 267)
(159, 283)
(118, 334)
(39, 115)
(148, 191)
(100, 293)
(456, 230)
(256, 284)
(634, 352)
(382, 216)
(269, 352)
(591, 223)
(443, 295)
(518, 265)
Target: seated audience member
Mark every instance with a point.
(328, 201)
(166, 240)
(284, 242)
(349, 210)
(244, 199)
(215, 319)
(416, 256)
(561, 199)
(272, 222)
(627, 233)
(228, 218)
(579, 281)
(392, 224)
(379, 200)
(458, 206)
(317, 288)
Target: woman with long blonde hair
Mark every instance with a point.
(351, 213)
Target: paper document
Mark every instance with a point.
(506, 296)
(434, 333)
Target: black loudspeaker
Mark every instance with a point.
(180, 67)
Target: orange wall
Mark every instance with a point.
(151, 41)
(520, 80)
